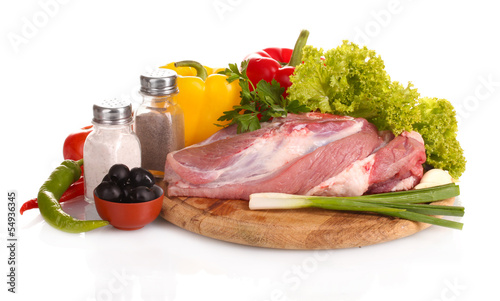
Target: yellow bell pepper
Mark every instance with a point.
(203, 96)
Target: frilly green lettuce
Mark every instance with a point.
(438, 127)
(350, 80)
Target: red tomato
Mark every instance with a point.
(73, 145)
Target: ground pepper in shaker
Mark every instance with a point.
(159, 121)
(112, 141)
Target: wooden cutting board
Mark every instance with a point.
(309, 228)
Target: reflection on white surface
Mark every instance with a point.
(121, 270)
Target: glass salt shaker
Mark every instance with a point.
(112, 141)
(159, 121)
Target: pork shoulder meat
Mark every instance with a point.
(309, 154)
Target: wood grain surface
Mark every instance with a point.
(309, 228)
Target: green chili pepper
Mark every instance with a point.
(51, 191)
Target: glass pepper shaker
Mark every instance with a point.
(112, 141)
(159, 121)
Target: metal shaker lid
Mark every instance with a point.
(113, 111)
(159, 82)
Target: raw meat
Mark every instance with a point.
(394, 167)
(313, 153)
(398, 166)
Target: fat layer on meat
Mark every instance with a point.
(313, 154)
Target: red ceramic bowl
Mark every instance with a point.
(128, 216)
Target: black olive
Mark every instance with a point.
(106, 178)
(157, 190)
(141, 177)
(141, 194)
(109, 191)
(126, 193)
(119, 173)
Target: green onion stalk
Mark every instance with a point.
(414, 205)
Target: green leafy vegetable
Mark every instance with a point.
(350, 80)
(412, 205)
(438, 127)
(263, 103)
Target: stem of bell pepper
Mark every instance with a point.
(297, 50)
(201, 72)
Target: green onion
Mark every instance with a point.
(411, 205)
(417, 217)
(434, 210)
(424, 195)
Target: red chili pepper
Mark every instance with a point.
(276, 63)
(76, 189)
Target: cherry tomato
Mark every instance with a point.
(73, 145)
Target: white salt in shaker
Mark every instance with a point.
(159, 121)
(112, 141)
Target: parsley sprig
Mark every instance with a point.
(262, 103)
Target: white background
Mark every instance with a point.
(58, 58)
